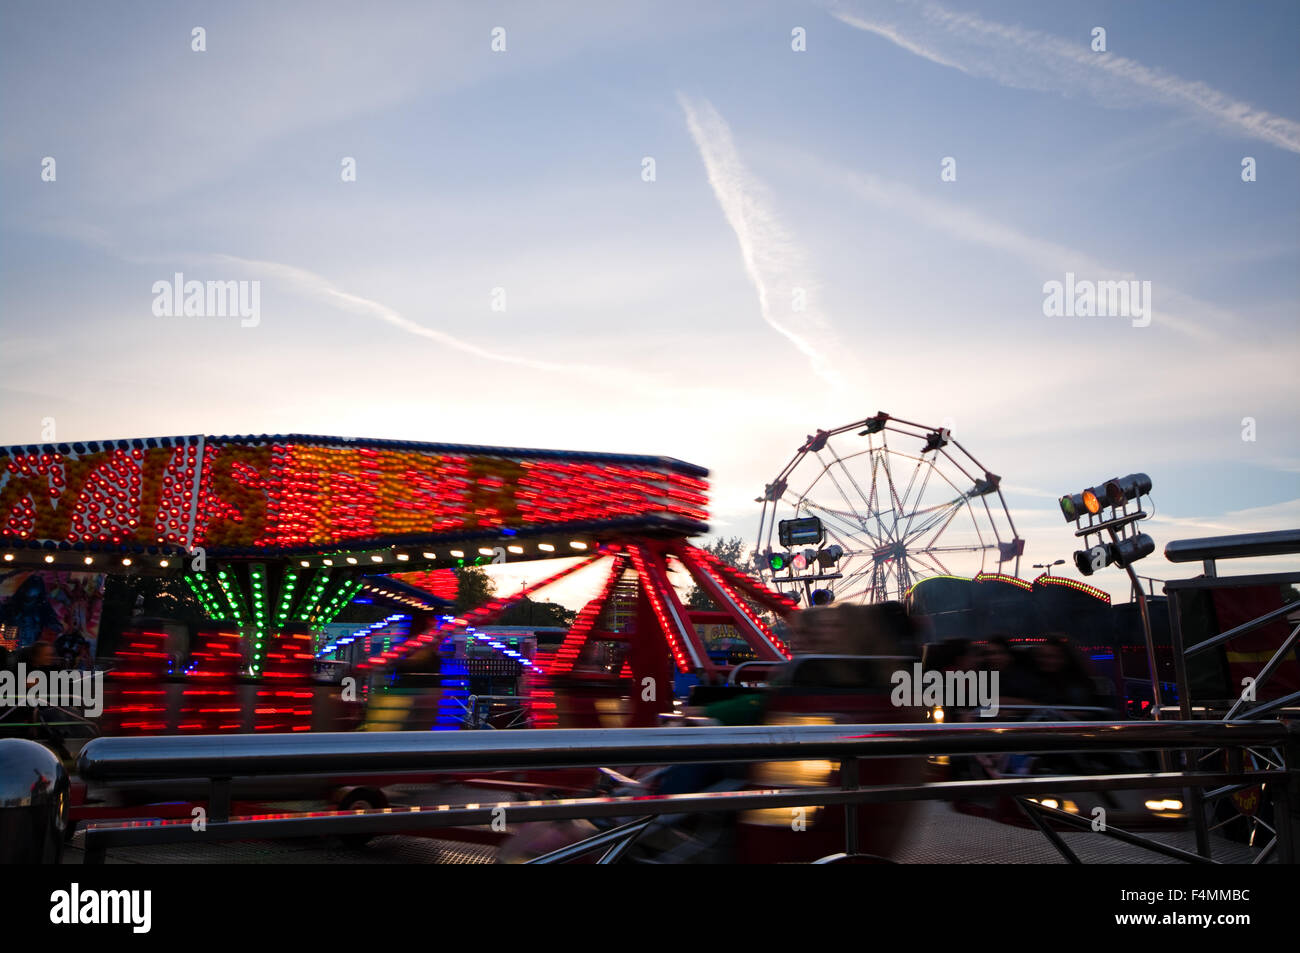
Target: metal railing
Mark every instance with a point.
(223, 758)
(1209, 551)
(511, 707)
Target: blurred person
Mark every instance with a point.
(1015, 680)
(882, 631)
(962, 656)
(73, 648)
(27, 720)
(39, 656)
(1062, 675)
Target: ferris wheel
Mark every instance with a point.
(865, 511)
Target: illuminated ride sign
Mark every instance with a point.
(276, 535)
(315, 497)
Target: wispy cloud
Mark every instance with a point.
(314, 285)
(1015, 56)
(969, 224)
(774, 262)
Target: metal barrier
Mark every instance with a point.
(1283, 542)
(222, 758)
(1209, 551)
(513, 707)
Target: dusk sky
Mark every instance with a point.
(504, 271)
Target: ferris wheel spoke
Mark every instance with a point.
(846, 543)
(849, 595)
(956, 549)
(919, 497)
(840, 489)
(848, 474)
(872, 507)
(861, 527)
(893, 490)
(902, 510)
(900, 507)
(940, 508)
(880, 463)
(940, 517)
(952, 515)
(943, 570)
(857, 527)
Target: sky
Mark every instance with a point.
(593, 236)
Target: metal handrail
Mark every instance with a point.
(789, 667)
(228, 756)
(1281, 542)
(731, 679)
(223, 757)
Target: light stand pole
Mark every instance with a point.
(1143, 611)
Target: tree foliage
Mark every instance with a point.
(528, 612)
(730, 550)
(474, 587)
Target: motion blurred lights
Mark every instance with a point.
(1123, 489)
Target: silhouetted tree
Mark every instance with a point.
(731, 550)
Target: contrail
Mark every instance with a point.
(1040, 60)
(970, 225)
(773, 262)
(313, 284)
